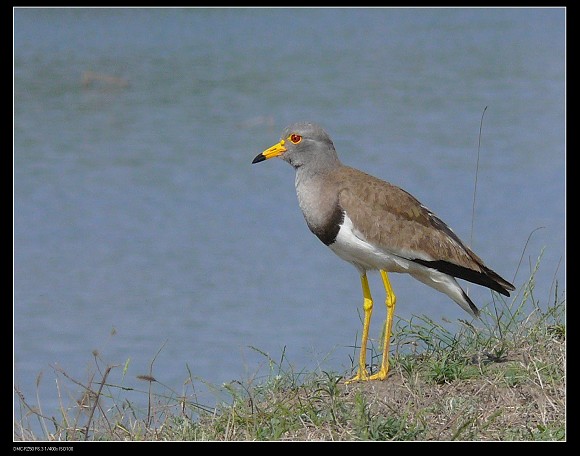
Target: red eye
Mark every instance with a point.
(295, 139)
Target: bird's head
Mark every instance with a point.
(302, 143)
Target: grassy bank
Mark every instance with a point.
(498, 378)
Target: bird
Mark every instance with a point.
(375, 225)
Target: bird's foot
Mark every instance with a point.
(361, 376)
(380, 375)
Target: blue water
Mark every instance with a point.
(140, 225)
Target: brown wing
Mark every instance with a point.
(395, 221)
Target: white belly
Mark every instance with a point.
(353, 248)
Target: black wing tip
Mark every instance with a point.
(502, 286)
(504, 289)
(486, 277)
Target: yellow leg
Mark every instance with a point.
(390, 302)
(368, 310)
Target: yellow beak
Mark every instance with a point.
(274, 151)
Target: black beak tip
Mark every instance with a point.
(259, 158)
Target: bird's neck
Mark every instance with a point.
(318, 205)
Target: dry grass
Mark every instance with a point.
(520, 398)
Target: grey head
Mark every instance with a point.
(303, 144)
